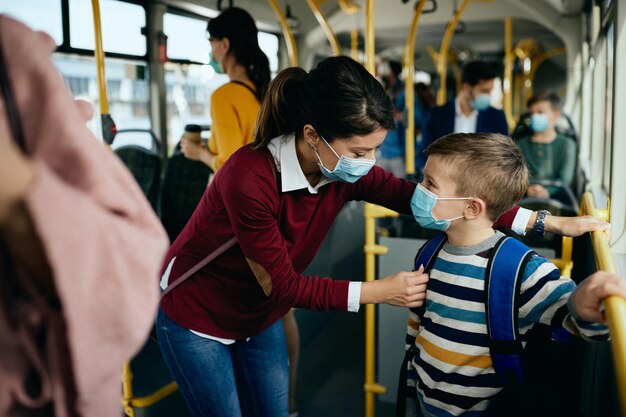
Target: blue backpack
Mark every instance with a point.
(510, 361)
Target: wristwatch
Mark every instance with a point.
(540, 224)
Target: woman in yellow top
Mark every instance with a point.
(234, 106)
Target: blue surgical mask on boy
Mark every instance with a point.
(481, 102)
(215, 64)
(347, 169)
(422, 204)
(539, 122)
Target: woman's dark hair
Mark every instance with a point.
(339, 98)
(238, 26)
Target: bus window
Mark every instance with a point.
(121, 26)
(127, 89)
(47, 18)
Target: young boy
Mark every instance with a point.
(469, 181)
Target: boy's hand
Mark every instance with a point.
(574, 226)
(404, 289)
(593, 290)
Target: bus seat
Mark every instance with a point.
(139, 149)
(184, 184)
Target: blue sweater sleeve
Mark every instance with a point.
(543, 299)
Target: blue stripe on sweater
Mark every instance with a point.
(448, 312)
(454, 268)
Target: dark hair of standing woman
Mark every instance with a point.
(238, 26)
(339, 98)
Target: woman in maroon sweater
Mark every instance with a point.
(220, 330)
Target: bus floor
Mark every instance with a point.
(331, 370)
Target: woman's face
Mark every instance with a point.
(352, 147)
(219, 48)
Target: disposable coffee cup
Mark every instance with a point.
(192, 133)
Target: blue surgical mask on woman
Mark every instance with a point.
(422, 204)
(539, 122)
(481, 102)
(347, 169)
(216, 65)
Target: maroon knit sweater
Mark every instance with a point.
(280, 231)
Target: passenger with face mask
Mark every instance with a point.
(549, 155)
(260, 224)
(470, 111)
(235, 52)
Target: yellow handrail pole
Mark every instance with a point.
(370, 63)
(349, 7)
(99, 55)
(334, 43)
(615, 306)
(371, 249)
(354, 44)
(509, 57)
(540, 59)
(442, 62)
(127, 390)
(287, 33)
(409, 90)
(155, 397)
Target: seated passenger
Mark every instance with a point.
(549, 155)
(470, 180)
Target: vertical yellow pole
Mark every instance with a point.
(287, 33)
(354, 44)
(409, 91)
(371, 387)
(127, 390)
(99, 55)
(442, 64)
(334, 43)
(509, 57)
(370, 62)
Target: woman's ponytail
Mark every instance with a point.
(258, 70)
(280, 109)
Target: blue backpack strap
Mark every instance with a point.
(428, 253)
(502, 289)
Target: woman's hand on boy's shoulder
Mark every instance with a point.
(575, 226)
(593, 290)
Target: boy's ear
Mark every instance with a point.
(474, 208)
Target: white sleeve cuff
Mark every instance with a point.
(354, 296)
(521, 221)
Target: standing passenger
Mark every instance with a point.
(80, 246)
(313, 152)
(471, 111)
(235, 52)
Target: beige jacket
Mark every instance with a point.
(103, 243)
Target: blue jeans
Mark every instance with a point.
(247, 378)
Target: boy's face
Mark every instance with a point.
(438, 181)
(544, 107)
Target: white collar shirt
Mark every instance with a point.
(463, 123)
(283, 150)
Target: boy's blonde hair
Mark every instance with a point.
(489, 166)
